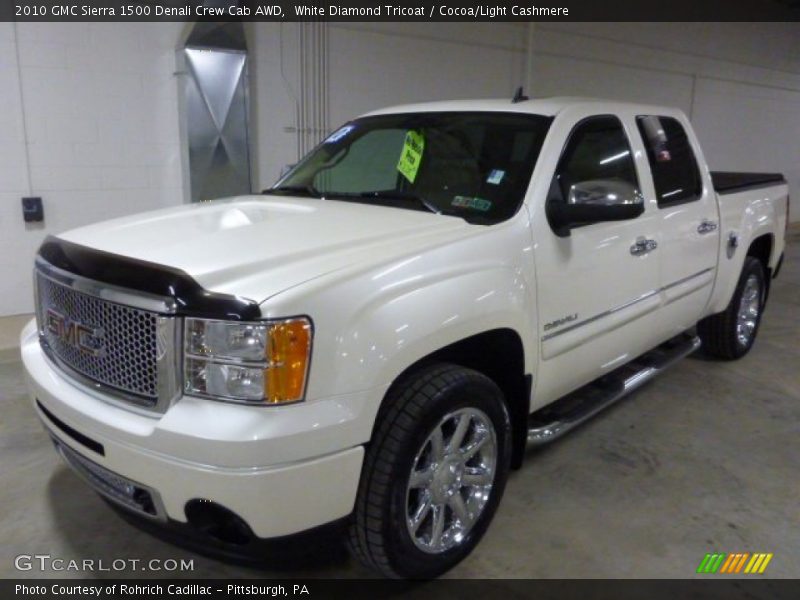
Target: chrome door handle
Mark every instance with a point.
(643, 246)
(706, 226)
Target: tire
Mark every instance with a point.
(437, 398)
(729, 335)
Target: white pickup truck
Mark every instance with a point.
(375, 340)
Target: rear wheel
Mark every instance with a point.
(730, 334)
(434, 473)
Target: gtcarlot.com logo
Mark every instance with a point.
(736, 562)
(46, 562)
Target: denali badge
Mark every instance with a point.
(89, 340)
(561, 321)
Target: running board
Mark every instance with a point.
(563, 415)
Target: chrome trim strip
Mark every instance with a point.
(109, 293)
(169, 362)
(37, 304)
(606, 313)
(685, 279)
(628, 304)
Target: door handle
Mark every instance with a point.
(642, 246)
(706, 226)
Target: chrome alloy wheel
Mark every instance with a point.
(451, 480)
(749, 308)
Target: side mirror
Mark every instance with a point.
(593, 201)
(603, 192)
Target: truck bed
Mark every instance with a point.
(728, 182)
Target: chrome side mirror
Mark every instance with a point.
(603, 192)
(590, 202)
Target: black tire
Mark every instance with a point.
(719, 332)
(378, 535)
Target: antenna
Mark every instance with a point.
(519, 96)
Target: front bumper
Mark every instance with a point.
(282, 470)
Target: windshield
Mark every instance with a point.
(472, 165)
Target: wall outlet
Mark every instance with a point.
(32, 210)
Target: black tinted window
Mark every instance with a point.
(672, 162)
(597, 150)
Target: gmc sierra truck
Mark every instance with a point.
(375, 340)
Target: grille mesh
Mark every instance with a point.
(128, 359)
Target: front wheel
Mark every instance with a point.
(434, 473)
(730, 334)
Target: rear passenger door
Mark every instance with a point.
(688, 221)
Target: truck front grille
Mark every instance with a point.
(122, 350)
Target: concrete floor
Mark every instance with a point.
(703, 459)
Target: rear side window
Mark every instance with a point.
(672, 161)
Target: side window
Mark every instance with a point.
(675, 173)
(597, 165)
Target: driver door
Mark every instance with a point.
(596, 283)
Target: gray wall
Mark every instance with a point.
(739, 82)
(90, 111)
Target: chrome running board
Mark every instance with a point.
(563, 415)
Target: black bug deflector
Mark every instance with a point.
(191, 299)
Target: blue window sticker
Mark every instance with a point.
(339, 134)
(496, 176)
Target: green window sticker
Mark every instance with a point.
(411, 157)
(474, 203)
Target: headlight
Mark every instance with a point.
(263, 362)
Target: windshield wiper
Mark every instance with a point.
(403, 196)
(306, 190)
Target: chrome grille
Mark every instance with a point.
(127, 351)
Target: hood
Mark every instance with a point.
(257, 246)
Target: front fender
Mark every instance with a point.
(383, 338)
(372, 322)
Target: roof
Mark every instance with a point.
(539, 106)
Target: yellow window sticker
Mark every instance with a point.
(411, 157)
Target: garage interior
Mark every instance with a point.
(98, 123)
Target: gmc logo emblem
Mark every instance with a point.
(88, 340)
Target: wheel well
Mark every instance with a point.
(499, 355)
(761, 248)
